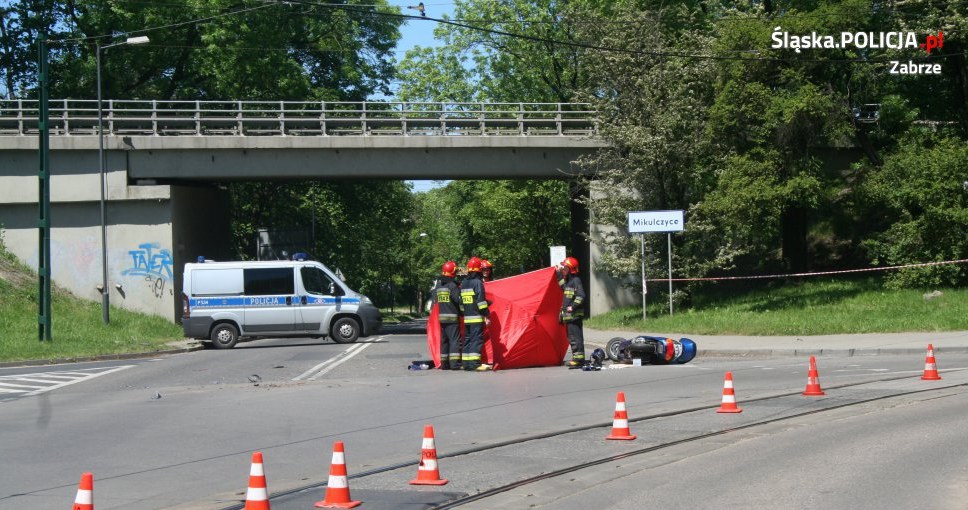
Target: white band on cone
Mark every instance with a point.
(620, 424)
(337, 482)
(256, 494)
(84, 497)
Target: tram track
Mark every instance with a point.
(528, 480)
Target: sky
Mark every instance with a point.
(421, 33)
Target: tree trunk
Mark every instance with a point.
(794, 232)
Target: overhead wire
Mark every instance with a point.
(741, 55)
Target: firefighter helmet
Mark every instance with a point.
(486, 264)
(449, 268)
(474, 264)
(572, 264)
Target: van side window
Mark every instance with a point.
(317, 282)
(269, 281)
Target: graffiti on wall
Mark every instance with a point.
(153, 264)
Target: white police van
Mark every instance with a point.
(223, 301)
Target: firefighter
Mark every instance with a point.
(476, 316)
(487, 270)
(447, 296)
(571, 309)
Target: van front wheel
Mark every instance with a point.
(224, 336)
(345, 331)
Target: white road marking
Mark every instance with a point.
(49, 381)
(325, 367)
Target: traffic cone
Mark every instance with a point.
(813, 380)
(85, 493)
(620, 424)
(427, 471)
(257, 497)
(338, 488)
(729, 397)
(930, 366)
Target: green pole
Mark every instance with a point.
(43, 195)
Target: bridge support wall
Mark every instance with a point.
(151, 230)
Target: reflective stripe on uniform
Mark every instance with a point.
(473, 319)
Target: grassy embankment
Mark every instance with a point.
(76, 325)
(811, 307)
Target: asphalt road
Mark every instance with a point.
(179, 431)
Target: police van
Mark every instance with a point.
(224, 301)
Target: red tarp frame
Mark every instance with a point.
(524, 330)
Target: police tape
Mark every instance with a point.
(819, 273)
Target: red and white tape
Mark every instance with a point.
(819, 273)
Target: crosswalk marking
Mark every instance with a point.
(26, 385)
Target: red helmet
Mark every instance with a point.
(486, 264)
(572, 264)
(449, 268)
(474, 264)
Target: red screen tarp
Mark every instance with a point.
(524, 330)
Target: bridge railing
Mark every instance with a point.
(79, 117)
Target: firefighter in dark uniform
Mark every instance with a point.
(476, 316)
(572, 312)
(487, 270)
(449, 308)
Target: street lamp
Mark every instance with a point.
(105, 292)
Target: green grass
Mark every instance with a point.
(76, 325)
(815, 307)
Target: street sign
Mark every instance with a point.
(558, 254)
(642, 222)
(656, 221)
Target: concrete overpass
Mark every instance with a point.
(163, 158)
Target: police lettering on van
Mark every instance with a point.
(224, 301)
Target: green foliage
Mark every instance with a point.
(510, 223)
(76, 323)
(211, 49)
(361, 228)
(481, 50)
(922, 195)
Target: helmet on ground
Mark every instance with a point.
(474, 264)
(598, 356)
(572, 264)
(449, 268)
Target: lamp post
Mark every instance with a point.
(105, 292)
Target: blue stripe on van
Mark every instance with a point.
(265, 301)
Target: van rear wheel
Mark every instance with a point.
(345, 331)
(224, 336)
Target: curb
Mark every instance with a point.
(820, 352)
(104, 357)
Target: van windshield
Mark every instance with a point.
(317, 282)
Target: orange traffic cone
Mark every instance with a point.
(729, 397)
(813, 380)
(427, 472)
(620, 424)
(338, 488)
(257, 497)
(85, 493)
(930, 366)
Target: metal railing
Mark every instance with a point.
(78, 117)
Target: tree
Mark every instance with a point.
(921, 195)
(220, 49)
(510, 50)
(361, 228)
(652, 110)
